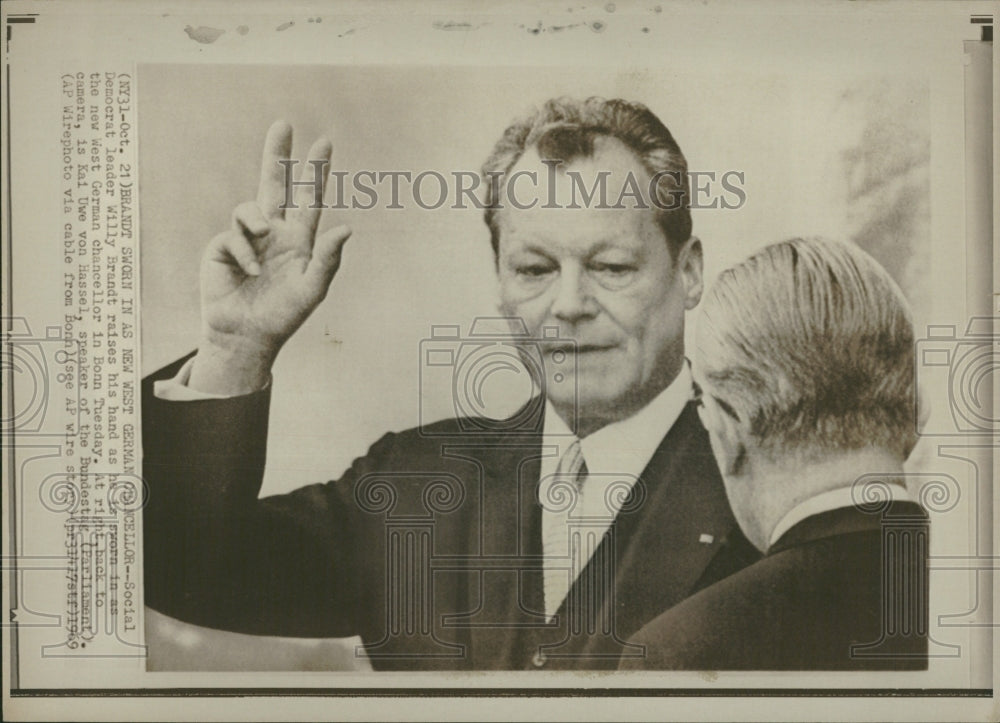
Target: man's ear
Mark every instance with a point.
(726, 436)
(690, 266)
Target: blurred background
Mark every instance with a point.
(830, 154)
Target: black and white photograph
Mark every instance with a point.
(514, 313)
(549, 353)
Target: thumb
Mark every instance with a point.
(325, 258)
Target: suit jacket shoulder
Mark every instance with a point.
(816, 602)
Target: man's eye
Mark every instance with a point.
(614, 269)
(533, 271)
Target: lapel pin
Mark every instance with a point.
(706, 539)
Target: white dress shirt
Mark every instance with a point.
(618, 452)
(615, 456)
(177, 389)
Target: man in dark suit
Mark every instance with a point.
(539, 542)
(804, 356)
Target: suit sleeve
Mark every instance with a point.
(216, 555)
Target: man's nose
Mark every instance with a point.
(573, 299)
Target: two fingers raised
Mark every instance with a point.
(276, 187)
(252, 220)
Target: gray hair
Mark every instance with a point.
(564, 129)
(810, 342)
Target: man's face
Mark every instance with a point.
(604, 276)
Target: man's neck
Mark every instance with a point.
(588, 420)
(775, 489)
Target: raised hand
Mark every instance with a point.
(263, 277)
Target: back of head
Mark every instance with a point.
(810, 342)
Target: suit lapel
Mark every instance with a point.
(672, 525)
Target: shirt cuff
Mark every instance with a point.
(177, 389)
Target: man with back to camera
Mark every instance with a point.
(804, 355)
(542, 546)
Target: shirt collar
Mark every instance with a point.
(624, 447)
(826, 501)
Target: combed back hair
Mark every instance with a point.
(810, 341)
(564, 129)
